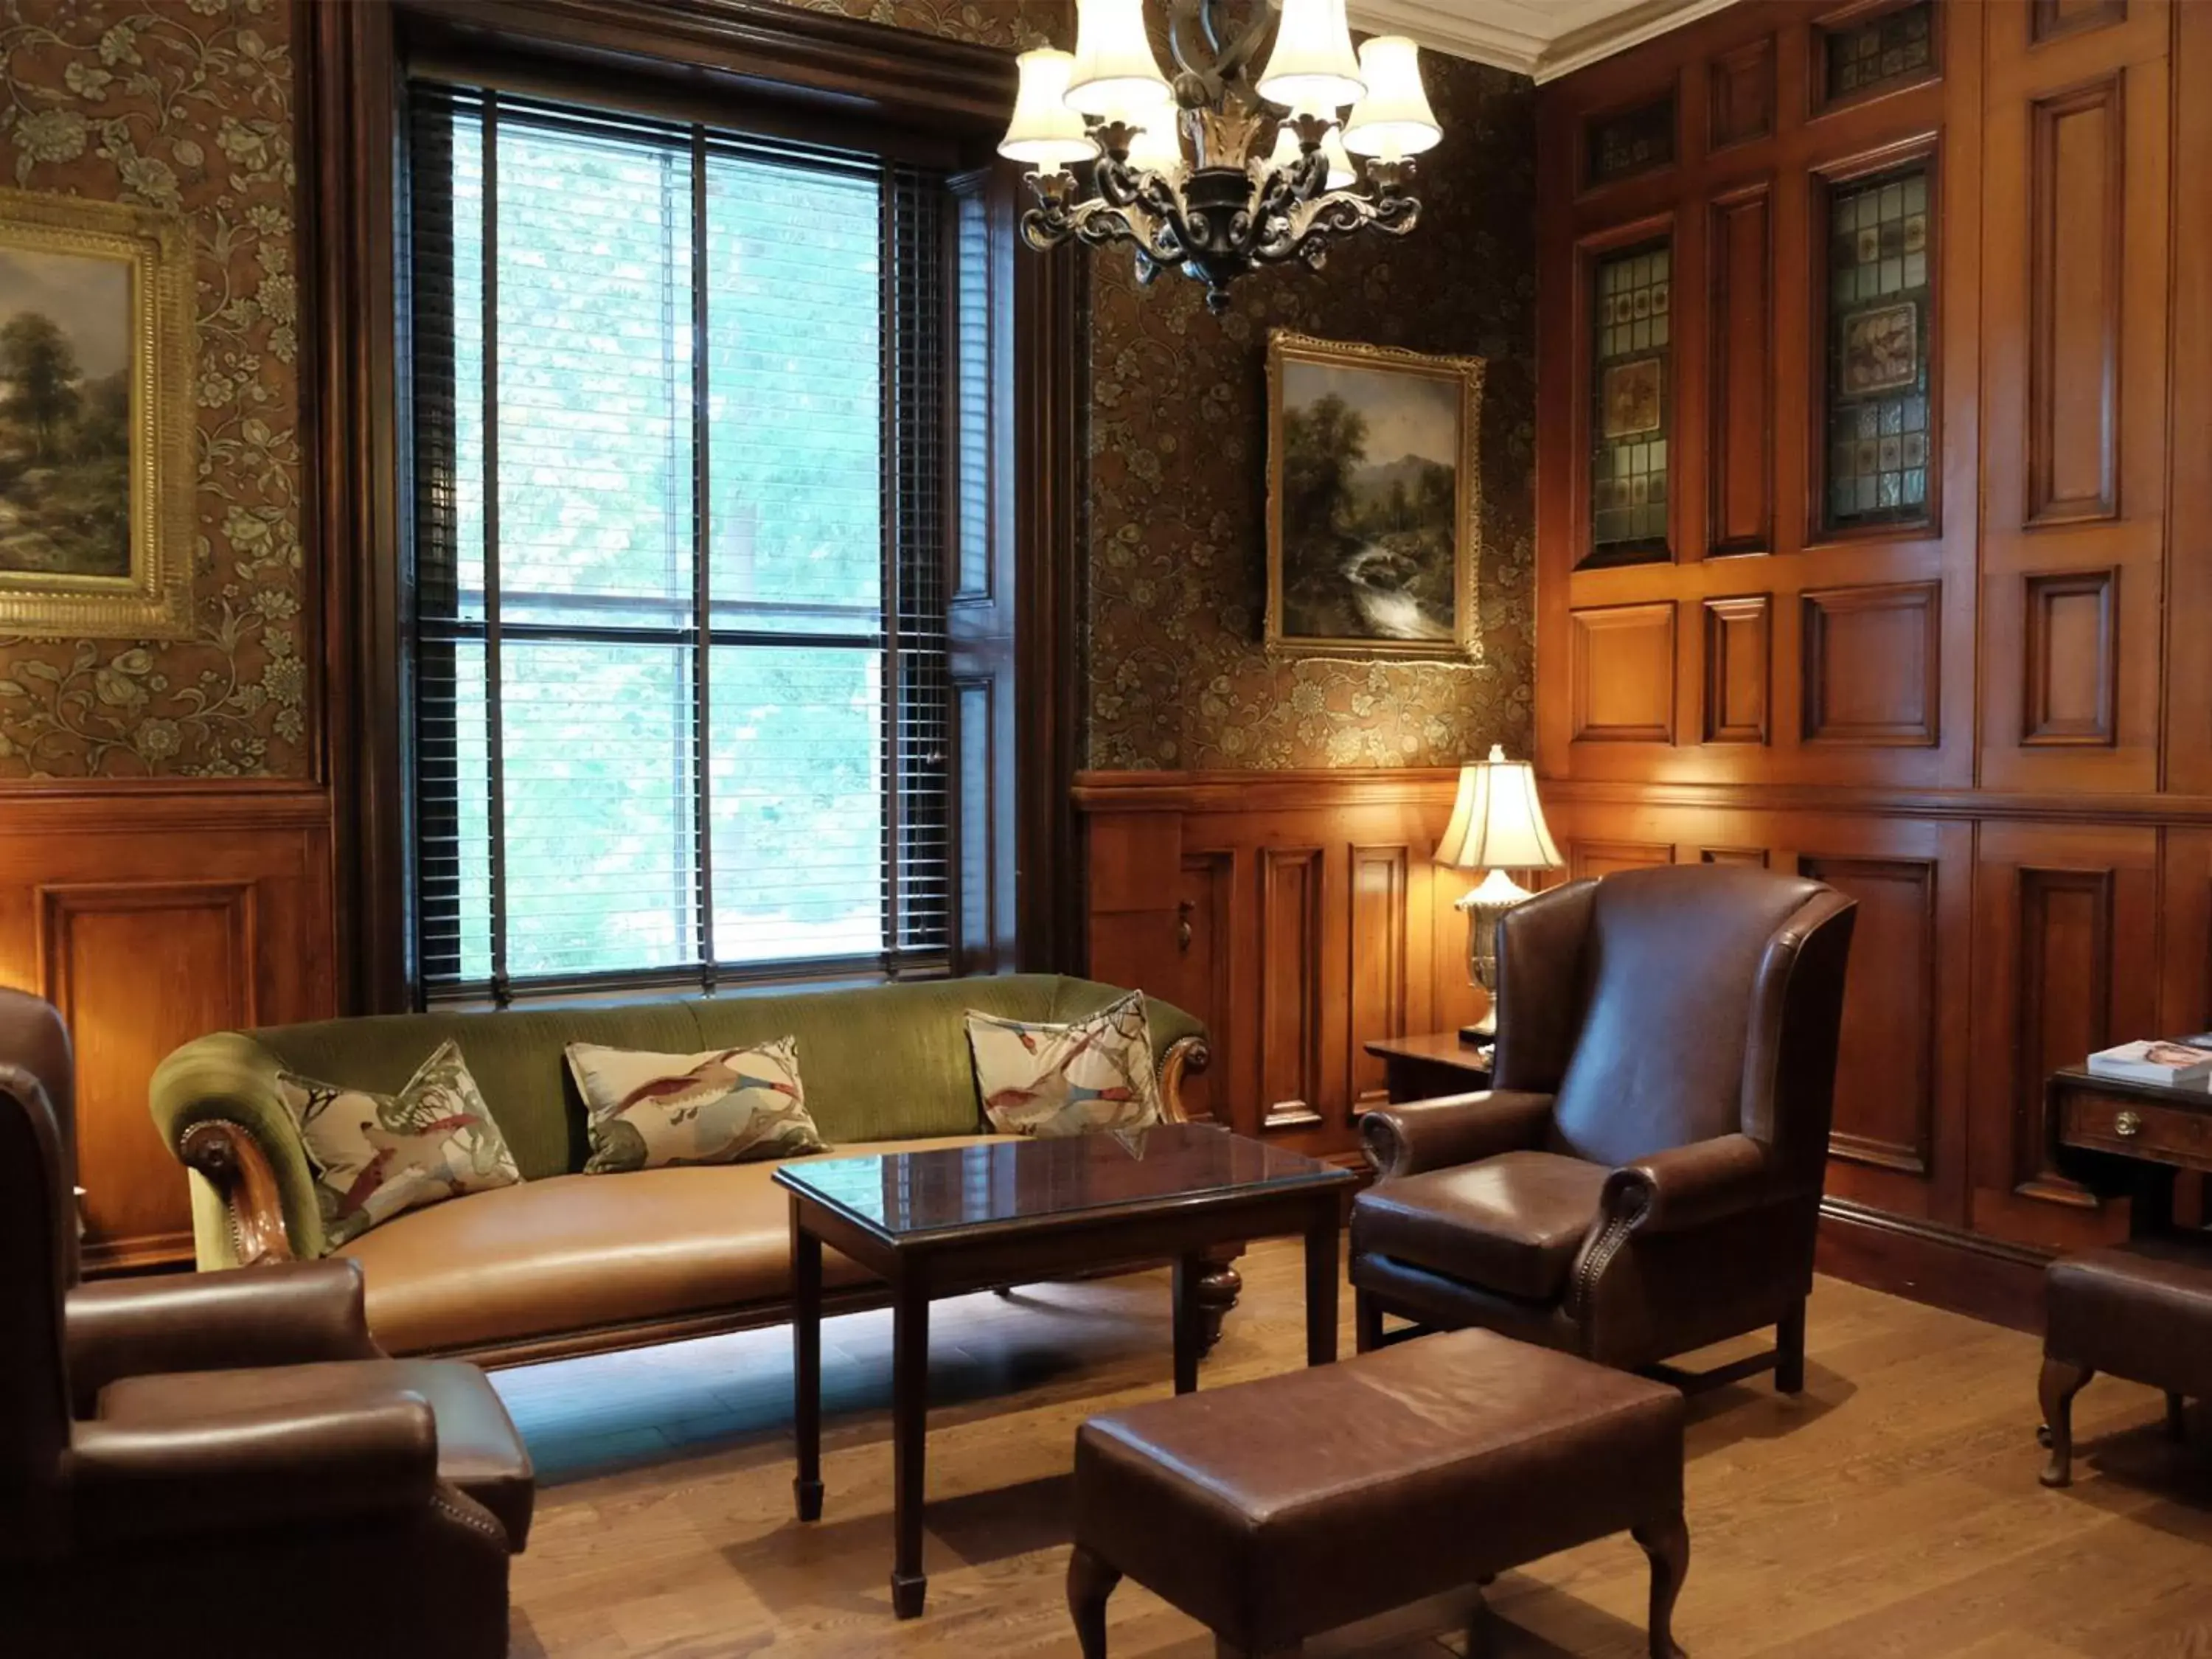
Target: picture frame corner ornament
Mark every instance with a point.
(151, 598)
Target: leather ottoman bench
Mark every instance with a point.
(1273, 1510)
(2141, 1310)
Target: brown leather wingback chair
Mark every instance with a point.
(164, 1491)
(1645, 1176)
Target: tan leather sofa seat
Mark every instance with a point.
(575, 1251)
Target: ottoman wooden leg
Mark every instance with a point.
(2177, 1417)
(1091, 1580)
(2062, 1380)
(1667, 1542)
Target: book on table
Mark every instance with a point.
(2177, 1063)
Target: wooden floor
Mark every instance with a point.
(1892, 1510)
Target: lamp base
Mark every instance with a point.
(1482, 1033)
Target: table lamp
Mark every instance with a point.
(1496, 825)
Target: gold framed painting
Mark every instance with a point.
(96, 420)
(1373, 500)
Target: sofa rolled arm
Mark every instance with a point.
(1436, 1135)
(217, 1102)
(1688, 1186)
(333, 1460)
(1186, 1056)
(289, 1313)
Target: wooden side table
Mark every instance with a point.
(1425, 1067)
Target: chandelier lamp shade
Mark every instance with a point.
(1222, 169)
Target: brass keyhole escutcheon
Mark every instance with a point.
(2127, 1124)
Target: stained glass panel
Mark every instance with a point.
(1631, 326)
(1881, 269)
(1893, 48)
(1631, 141)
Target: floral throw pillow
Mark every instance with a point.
(375, 1156)
(1094, 1073)
(646, 1111)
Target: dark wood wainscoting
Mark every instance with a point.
(150, 916)
(1922, 627)
(1298, 913)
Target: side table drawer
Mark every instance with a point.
(2135, 1128)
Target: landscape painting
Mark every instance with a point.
(97, 424)
(64, 414)
(1371, 499)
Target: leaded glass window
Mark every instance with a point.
(1631, 317)
(1880, 275)
(1891, 49)
(1631, 141)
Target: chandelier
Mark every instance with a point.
(1179, 168)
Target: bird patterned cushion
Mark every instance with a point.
(1096, 1073)
(375, 1155)
(727, 1106)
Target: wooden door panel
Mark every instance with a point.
(2061, 917)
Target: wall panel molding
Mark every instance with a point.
(1739, 646)
(1886, 1102)
(1380, 898)
(1623, 674)
(1740, 399)
(1872, 668)
(1289, 986)
(2077, 207)
(2072, 661)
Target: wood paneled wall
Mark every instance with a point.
(149, 916)
(1298, 913)
(1990, 728)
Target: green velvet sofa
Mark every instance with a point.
(566, 1262)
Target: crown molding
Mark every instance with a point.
(1540, 38)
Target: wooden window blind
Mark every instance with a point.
(684, 420)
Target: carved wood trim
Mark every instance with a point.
(1299, 1001)
(232, 1160)
(2051, 223)
(1725, 619)
(2033, 1174)
(1186, 1057)
(2039, 726)
(1916, 1156)
(1821, 723)
(1387, 944)
(2047, 20)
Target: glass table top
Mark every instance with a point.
(903, 1194)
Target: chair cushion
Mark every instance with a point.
(479, 1449)
(574, 1252)
(1276, 1508)
(1510, 1224)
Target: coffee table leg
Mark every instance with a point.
(1321, 1274)
(1189, 1320)
(910, 1431)
(807, 1364)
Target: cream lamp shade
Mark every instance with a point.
(1342, 175)
(1312, 68)
(1157, 147)
(1496, 822)
(1116, 77)
(1045, 133)
(1393, 119)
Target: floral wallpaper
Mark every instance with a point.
(1177, 525)
(1176, 580)
(183, 105)
(1178, 477)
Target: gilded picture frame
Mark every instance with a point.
(95, 544)
(1374, 501)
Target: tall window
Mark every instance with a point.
(682, 447)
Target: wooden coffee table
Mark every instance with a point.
(936, 1224)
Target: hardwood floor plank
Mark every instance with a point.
(1891, 1510)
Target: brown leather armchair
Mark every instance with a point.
(224, 1463)
(1645, 1176)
